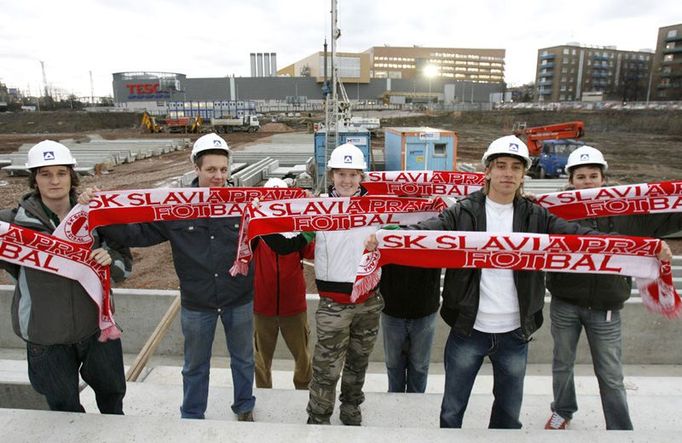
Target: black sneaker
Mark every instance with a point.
(245, 416)
(350, 415)
(312, 421)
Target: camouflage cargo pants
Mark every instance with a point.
(345, 337)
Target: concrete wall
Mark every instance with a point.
(648, 338)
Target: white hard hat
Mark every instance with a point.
(275, 182)
(347, 156)
(508, 145)
(586, 155)
(207, 142)
(49, 153)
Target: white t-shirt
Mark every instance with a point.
(498, 307)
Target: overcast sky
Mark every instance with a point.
(213, 38)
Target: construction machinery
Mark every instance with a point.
(174, 125)
(549, 146)
(248, 123)
(149, 123)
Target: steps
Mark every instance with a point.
(654, 401)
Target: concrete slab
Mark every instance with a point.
(649, 412)
(31, 426)
(377, 382)
(647, 337)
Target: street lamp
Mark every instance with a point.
(430, 71)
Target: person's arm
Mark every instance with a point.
(121, 259)
(282, 245)
(649, 225)
(7, 215)
(445, 221)
(137, 235)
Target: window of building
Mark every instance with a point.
(564, 60)
(668, 58)
(574, 51)
(672, 33)
(670, 45)
(439, 150)
(566, 51)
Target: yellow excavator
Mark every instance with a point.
(149, 123)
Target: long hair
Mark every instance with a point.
(75, 181)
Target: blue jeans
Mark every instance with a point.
(198, 328)
(407, 351)
(508, 353)
(606, 343)
(53, 372)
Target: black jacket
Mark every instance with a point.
(602, 291)
(461, 288)
(410, 292)
(203, 252)
(49, 309)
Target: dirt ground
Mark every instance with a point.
(634, 157)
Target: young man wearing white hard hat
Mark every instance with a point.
(346, 331)
(593, 302)
(202, 251)
(53, 314)
(493, 312)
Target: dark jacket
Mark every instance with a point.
(49, 309)
(203, 252)
(603, 291)
(279, 285)
(461, 288)
(410, 292)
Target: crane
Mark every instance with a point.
(549, 146)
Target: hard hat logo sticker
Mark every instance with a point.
(48, 155)
(348, 159)
(584, 157)
(217, 143)
(513, 147)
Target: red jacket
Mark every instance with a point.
(279, 286)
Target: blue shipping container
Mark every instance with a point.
(361, 139)
(422, 148)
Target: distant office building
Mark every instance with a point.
(572, 72)
(463, 64)
(408, 63)
(667, 69)
(352, 67)
(263, 64)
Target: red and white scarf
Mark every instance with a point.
(163, 204)
(621, 255)
(645, 198)
(26, 247)
(328, 214)
(423, 183)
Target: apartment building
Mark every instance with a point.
(667, 67)
(572, 72)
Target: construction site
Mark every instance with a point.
(641, 147)
(147, 149)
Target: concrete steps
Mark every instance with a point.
(30, 426)
(654, 401)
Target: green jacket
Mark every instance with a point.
(49, 309)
